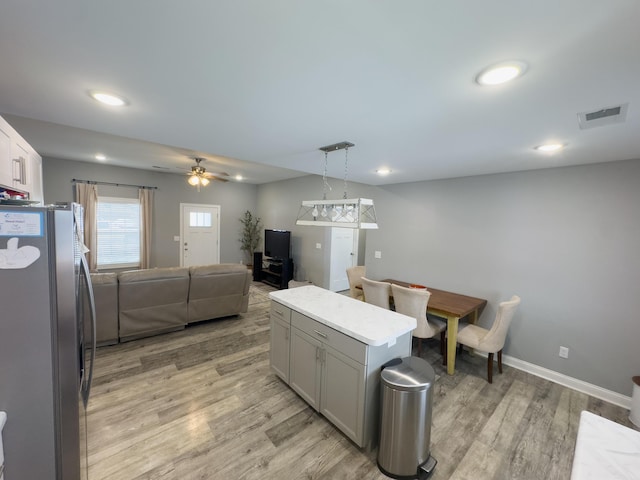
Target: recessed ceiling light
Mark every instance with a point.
(239, 178)
(383, 171)
(108, 98)
(549, 147)
(501, 73)
(101, 157)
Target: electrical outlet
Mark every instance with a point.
(377, 254)
(318, 246)
(564, 352)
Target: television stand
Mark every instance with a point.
(276, 273)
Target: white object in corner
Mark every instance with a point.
(3, 420)
(605, 449)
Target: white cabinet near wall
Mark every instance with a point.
(335, 347)
(20, 164)
(6, 165)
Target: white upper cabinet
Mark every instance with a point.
(6, 165)
(20, 164)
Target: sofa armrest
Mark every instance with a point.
(105, 293)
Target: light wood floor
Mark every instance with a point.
(202, 404)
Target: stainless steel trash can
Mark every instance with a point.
(404, 449)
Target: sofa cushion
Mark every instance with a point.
(152, 301)
(218, 291)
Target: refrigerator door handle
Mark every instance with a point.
(92, 308)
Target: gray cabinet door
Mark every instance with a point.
(343, 389)
(279, 352)
(305, 367)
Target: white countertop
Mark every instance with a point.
(365, 322)
(605, 449)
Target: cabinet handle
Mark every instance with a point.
(317, 353)
(20, 171)
(286, 334)
(17, 171)
(323, 335)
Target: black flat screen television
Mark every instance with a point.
(277, 244)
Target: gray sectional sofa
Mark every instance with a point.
(141, 303)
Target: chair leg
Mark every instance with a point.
(500, 361)
(490, 368)
(419, 346)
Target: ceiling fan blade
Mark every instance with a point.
(219, 179)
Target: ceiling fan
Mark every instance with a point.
(200, 177)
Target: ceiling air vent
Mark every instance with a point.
(604, 116)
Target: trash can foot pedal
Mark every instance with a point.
(426, 469)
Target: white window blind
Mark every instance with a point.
(118, 232)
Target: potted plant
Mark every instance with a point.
(249, 235)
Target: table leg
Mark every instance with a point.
(452, 335)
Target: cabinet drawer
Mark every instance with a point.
(327, 335)
(280, 312)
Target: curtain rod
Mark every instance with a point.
(93, 182)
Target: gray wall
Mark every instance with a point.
(233, 198)
(563, 239)
(278, 205)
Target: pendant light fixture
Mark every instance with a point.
(345, 212)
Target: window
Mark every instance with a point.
(200, 219)
(118, 232)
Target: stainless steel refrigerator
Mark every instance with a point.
(47, 342)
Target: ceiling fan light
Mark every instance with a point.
(204, 181)
(193, 180)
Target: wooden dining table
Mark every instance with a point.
(453, 307)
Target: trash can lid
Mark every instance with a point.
(409, 373)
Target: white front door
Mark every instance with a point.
(199, 234)
(344, 248)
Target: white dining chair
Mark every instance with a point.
(490, 341)
(413, 303)
(376, 293)
(354, 275)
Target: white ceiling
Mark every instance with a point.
(256, 87)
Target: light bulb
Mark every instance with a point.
(324, 211)
(314, 212)
(193, 180)
(204, 181)
(501, 73)
(549, 147)
(108, 99)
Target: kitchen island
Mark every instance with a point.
(329, 349)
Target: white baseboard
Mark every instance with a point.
(584, 387)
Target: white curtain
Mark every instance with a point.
(145, 195)
(87, 196)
